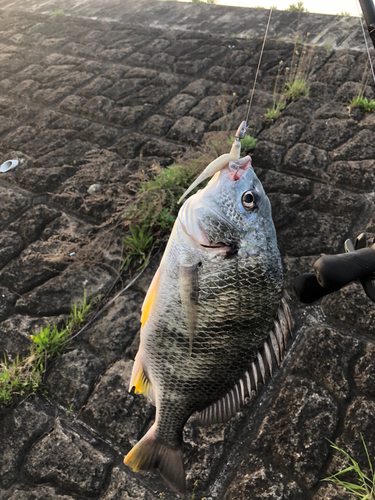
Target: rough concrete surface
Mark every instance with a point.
(87, 99)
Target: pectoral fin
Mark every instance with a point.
(189, 291)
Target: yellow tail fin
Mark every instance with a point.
(153, 453)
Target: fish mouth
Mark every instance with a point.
(215, 246)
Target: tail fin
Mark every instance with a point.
(153, 453)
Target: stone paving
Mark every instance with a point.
(85, 103)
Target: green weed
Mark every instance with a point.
(296, 89)
(193, 492)
(327, 47)
(365, 487)
(344, 13)
(25, 375)
(274, 112)
(137, 247)
(58, 13)
(278, 103)
(297, 7)
(153, 210)
(296, 84)
(247, 143)
(363, 104)
(17, 378)
(79, 312)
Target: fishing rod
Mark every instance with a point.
(332, 272)
(368, 10)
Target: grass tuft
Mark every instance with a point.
(247, 143)
(296, 89)
(58, 13)
(153, 209)
(364, 489)
(298, 7)
(274, 112)
(363, 104)
(25, 375)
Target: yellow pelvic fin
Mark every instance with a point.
(141, 383)
(150, 297)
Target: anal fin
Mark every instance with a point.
(266, 359)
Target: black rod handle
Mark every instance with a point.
(368, 10)
(336, 271)
(308, 289)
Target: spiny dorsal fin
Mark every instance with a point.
(267, 358)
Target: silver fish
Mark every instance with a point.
(207, 316)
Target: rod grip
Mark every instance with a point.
(368, 10)
(308, 289)
(336, 271)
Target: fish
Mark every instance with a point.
(215, 319)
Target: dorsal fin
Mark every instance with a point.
(267, 359)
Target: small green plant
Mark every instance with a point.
(278, 103)
(58, 13)
(327, 47)
(299, 72)
(79, 312)
(247, 143)
(25, 375)
(137, 247)
(296, 89)
(365, 487)
(17, 378)
(297, 7)
(151, 213)
(193, 492)
(363, 104)
(344, 13)
(274, 112)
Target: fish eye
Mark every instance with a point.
(249, 200)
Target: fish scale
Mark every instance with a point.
(208, 315)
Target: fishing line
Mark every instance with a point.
(260, 60)
(367, 48)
